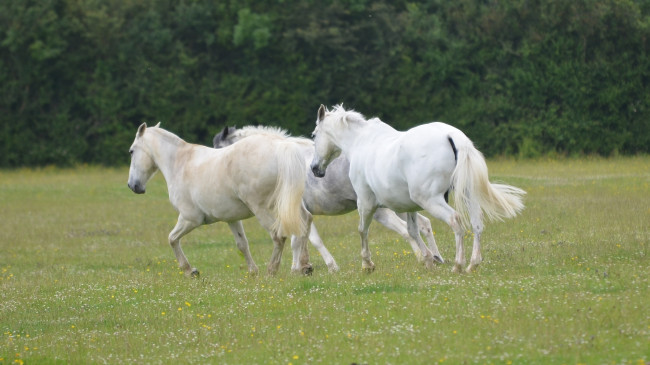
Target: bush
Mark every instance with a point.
(520, 77)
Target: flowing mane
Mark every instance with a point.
(346, 116)
(251, 130)
(269, 131)
(166, 135)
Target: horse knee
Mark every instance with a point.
(242, 246)
(455, 224)
(424, 224)
(478, 228)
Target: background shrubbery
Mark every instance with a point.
(520, 77)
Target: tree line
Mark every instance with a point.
(519, 77)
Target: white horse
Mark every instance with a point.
(332, 194)
(261, 176)
(414, 170)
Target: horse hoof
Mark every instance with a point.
(419, 256)
(457, 269)
(333, 269)
(471, 268)
(195, 273)
(307, 270)
(368, 269)
(438, 259)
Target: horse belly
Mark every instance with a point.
(332, 194)
(397, 199)
(226, 211)
(392, 193)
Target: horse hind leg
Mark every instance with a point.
(317, 242)
(182, 228)
(276, 256)
(299, 246)
(476, 219)
(237, 230)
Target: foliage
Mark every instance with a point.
(519, 77)
(87, 276)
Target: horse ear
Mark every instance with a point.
(157, 125)
(141, 129)
(224, 132)
(321, 113)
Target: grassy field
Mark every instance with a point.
(87, 276)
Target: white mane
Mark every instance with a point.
(251, 130)
(269, 131)
(165, 134)
(346, 116)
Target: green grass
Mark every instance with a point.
(87, 276)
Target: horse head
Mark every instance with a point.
(325, 148)
(142, 166)
(224, 138)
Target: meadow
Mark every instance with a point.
(87, 276)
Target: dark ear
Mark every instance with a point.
(224, 132)
(321, 113)
(141, 129)
(219, 136)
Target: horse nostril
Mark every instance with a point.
(136, 188)
(317, 172)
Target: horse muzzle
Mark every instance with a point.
(137, 188)
(317, 171)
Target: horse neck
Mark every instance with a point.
(166, 151)
(353, 135)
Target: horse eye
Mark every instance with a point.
(131, 152)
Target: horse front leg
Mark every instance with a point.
(424, 225)
(439, 209)
(182, 228)
(397, 223)
(366, 211)
(237, 230)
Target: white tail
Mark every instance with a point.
(287, 197)
(474, 194)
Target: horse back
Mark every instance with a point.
(223, 184)
(396, 166)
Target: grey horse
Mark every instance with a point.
(334, 195)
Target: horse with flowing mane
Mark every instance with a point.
(411, 171)
(333, 194)
(207, 185)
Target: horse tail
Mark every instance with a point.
(287, 196)
(474, 195)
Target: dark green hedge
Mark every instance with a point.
(520, 77)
